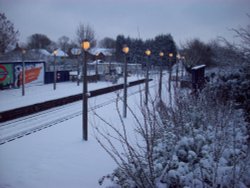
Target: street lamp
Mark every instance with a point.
(177, 68)
(161, 54)
(85, 46)
(55, 53)
(23, 72)
(182, 66)
(148, 53)
(170, 55)
(125, 50)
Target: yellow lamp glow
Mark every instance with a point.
(125, 49)
(161, 54)
(148, 52)
(55, 52)
(170, 54)
(85, 45)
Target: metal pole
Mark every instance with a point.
(125, 88)
(78, 79)
(160, 82)
(146, 82)
(54, 85)
(170, 75)
(96, 71)
(85, 99)
(169, 81)
(23, 75)
(177, 72)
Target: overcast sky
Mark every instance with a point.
(183, 19)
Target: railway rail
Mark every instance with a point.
(35, 108)
(24, 126)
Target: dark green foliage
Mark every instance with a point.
(137, 47)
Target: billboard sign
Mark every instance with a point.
(34, 74)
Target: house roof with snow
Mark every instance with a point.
(60, 53)
(33, 54)
(41, 51)
(104, 51)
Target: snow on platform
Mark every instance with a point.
(12, 98)
(57, 156)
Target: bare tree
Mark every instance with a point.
(196, 53)
(244, 35)
(85, 32)
(8, 34)
(38, 41)
(64, 43)
(134, 157)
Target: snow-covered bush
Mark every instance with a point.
(201, 141)
(211, 149)
(233, 84)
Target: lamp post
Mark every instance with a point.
(96, 66)
(148, 53)
(125, 50)
(161, 54)
(85, 46)
(170, 55)
(182, 66)
(177, 68)
(54, 85)
(23, 72)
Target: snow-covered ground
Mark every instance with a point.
(57, 156)
(10, 99)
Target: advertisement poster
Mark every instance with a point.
(6, 75)
(34, 74)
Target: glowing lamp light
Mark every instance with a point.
(125, 49)
(161, 54)
(85, 45)
(55, 52)
(170, 54)
(148, 52)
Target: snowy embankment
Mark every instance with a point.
(57, 156)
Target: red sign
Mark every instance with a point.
(3, 73)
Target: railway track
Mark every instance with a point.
(21, 127)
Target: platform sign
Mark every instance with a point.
(6, 74)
